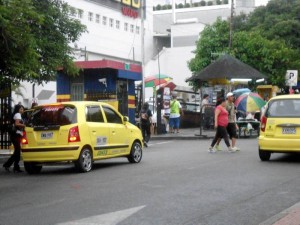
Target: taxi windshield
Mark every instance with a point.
(57, 115)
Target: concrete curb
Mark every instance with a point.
(180, 137)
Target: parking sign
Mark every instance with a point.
(291, 78)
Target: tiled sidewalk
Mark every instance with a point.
(290, 216)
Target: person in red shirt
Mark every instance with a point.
(221, 122)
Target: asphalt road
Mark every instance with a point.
(177, 183)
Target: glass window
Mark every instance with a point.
(111, 115)
(97, 18)
(131, 28)
(283, 108)
(73, 11)
(91, 15)
(126, 26)
(53, 116)
(80, 13)
(104, 20)
(137, 29)
(94, 114)
(118, 24)
(111, 22)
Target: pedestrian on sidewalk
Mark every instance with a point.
(221, 122)
(146, 123)
(175, 111)
(204, 104)
(16, 135)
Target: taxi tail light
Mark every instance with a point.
(74, 134)
(263, 123)
(24, 139)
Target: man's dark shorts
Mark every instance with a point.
(231, 129)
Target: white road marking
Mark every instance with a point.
(160, 143)
(112, 218)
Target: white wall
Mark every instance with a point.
(173, 62)
(26, 89)
(104, 41)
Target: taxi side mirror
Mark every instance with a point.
(125, 118)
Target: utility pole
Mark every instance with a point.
(231, 25)
(159, 99)
(143, 50)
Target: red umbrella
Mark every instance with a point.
(169, 84)
(155, 80)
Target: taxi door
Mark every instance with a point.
(98, 131)
(119, 132)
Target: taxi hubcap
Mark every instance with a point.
(86, 160)
(137, 152)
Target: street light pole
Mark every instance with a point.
(158, 99)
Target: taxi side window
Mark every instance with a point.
(111, 115)
(94, 114)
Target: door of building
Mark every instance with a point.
(77, 92)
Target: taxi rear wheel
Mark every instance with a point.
(136, 153)
(85, 161)
(32, 168)
(264, 155)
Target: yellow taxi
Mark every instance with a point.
(79, 132)
(280, 126)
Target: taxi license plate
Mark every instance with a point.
(289, 130)
(46, 135)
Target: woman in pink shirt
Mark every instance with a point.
(221, 122)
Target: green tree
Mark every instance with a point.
(278, 20)
(180, 6)
(34, 40)
(270, 57)
(158, 7)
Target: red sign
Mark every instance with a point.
(129, 12)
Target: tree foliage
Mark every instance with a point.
(34, 40)
(267, 39)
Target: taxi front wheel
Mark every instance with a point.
(85, 161)
(264, 155)
(135, 153)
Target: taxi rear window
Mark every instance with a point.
(53, 116)
(283, 108)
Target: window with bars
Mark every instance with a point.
(77, 92)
